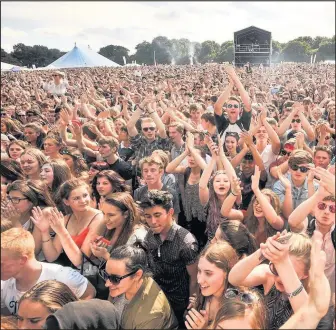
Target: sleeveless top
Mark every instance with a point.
(80, 238)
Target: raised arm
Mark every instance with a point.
(270, 215)
(157, 120)
(247, 138)
(227, 209)
(203, 183)
(173, 166)
(273, 136)
(306, 126)
(218, 107)
(242, 92)
(226, 163)
(286, 123)
(286, 196)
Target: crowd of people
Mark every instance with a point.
(168, 197)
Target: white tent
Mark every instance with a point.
(6, 66)
(81, 58)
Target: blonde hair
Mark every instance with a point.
(18, 242)
(163, 156)
(300, 248)
(151, 161)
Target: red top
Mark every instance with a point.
(80, 238)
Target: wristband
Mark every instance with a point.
(233, 194)
(151, 112)
(294, 293)
(46, 240)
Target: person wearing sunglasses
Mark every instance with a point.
(57, 86)
(241, 309)
(230, 121)
(134, 293)
(318, 213)
(299, 186)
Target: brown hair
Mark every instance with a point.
(6, 225)
(163, 156)
(224, 257)
(61, 173)
(117, 182)
(252, 223)
(209, 117)
(11, 125)
(298, 157)
(52, 294)
(235, 308)
(179, 127)
(323, 148)
(37, 154)
(124, 201)
(111, 141)
(20, 143)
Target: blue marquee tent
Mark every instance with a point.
(81, 58)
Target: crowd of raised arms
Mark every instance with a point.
(168, 197)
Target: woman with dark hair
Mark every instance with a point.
(241, 309)
(23, 196)
(107, 182)
(76, 162)
(54, 173)
(10, 171)
(32, 160)
(238, 236)
(16, 148)
(231, 144)
(137, 297)
(34, 135)
(42, 300)
(95, 168)
(121, 224)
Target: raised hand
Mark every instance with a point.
(247, 138)
(56, 220)
(255, 178)
(99, 249)
(10, 212)
(40, 220)
(196, 320)
(285, 182)
(236, 186)
(318, 282)
(327, 179)
(274, 251)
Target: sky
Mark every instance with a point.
(98, 24)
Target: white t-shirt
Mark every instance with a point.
(10, 296)
(268, 157)
(60, 89)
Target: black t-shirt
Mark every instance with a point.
(123, 168)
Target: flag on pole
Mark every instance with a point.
(124, 58)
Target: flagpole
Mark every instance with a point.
(154, 59)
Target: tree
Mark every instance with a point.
(144, 53)
(296, 51)
(8, 58)
(209, 51)
(225, 53)
(326, 51)
(115, 53)
(163, 50)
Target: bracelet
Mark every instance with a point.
(151, 112)
(46, 240)
(294, 293)
(233, 194)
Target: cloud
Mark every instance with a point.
(61, 24)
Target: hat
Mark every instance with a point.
(59, 73)
(4, 138)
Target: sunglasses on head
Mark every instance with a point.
(245, 297)
(146, 129)
(327, 137)
(273, 269)
(322, 206)
(302, 169)
(114, 279)
(285, 153)
(296, 120)
(236, 106)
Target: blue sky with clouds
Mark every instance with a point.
(61, 24)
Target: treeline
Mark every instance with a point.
(180, 51)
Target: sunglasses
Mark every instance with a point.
(285, 153)
(114, 279)
(146, 129)
(30, 114)
(302, 169)
(236, 106)
(245, 297)
(296, 120)
(327, 137)
(3, 114)
(322, 206)
(273, 269)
